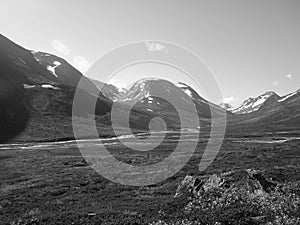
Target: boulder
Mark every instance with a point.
(252, 180)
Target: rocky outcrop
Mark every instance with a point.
(252, 180)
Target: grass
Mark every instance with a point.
(55, 185)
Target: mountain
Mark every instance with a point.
(205, 108)
(152, 86)
(64, 73)
(39, 67)
(289, 97)
(271, 112)
(37, 92)
(268, 100)
(144, 93)
(36, 98)
(254, 104)
(110, 91)
(37, 88)
(13, 113)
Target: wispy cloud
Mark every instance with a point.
(60, 47)
(156, 47)
(80, 63)
(230, 100)
(289, 76)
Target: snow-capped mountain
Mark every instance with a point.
(63, 72)
(268, 100)
(144, 91)
(37, 92)
(149, 87)
(40, 68)
(37, 89)
(275, 113)
(254, 104)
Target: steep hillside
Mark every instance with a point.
(30, 91)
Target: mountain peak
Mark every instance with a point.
(269, 93)
(150, 79)
(151, 87)
(254, 104)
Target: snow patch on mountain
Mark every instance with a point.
(49, 86)
(252, 104)
(260, 101)
(287, 96)
(185, 88)
(52, 68)
(181, 85)
(189, 93)
(28, 86)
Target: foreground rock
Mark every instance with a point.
(239, 197)
(251, 180)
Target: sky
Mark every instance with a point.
(250, 46)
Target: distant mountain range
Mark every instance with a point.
(37, 91)
(254, 104)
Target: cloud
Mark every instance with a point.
(275, 83)
(156, 47)
(117, 84)
(60, 47)
(80, 63)
(230, 100)
(289, 76)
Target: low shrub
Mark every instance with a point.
(236, 205)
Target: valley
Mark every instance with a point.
(44, 178)
(51, 183)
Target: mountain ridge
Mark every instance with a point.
(253, 104)
(37, 90)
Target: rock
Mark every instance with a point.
(57, 192)
(81, 163)
(261, 183)
(253, 180)
(189, 184)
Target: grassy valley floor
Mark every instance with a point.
(53, 184)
